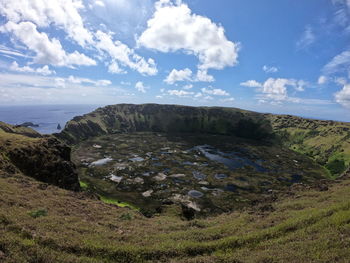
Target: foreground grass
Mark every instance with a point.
(306, 226)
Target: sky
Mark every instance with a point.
(278, 56)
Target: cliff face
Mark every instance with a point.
(166, 118)
(43, 158)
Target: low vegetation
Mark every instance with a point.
(303, 225)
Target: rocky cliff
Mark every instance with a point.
(44, 158)
(166, 118)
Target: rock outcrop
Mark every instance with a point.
(44, 158)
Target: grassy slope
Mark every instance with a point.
(327, 142)
(305, 226)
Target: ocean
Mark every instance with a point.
(46, 116)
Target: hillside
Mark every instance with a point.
(327, 142)
(279, 203)
(42, 157)
(304, 224)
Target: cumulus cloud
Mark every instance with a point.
(179, 75)
(215, 92)
(322, 80)
(121, 53)
(174, 27)
(203, 76)
(187, 75)
(62, 13)
(180, 93)
(27, 69)
(268, 69)
(251, 84)
(25, 18)
(343, 96)
(141, 87)
(114, 68)
(47, 51)
(275, 89)
(187, 87)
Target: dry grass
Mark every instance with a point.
(306, 226)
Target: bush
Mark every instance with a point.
(126, 216)
(336, 166)
(38, 213)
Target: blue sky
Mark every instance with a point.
(279, 56)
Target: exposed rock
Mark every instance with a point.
(46, 159)
(186, 201)
(160, 177)
(116, 179)
(147, 193)
(101, 162)
(177, 175)
(28, 124)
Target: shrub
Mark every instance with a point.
(336, 166)
(38, 213)
(126, 216)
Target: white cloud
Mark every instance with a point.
(26, 69)
(62, 13)
(99, 3)
(180, 93)
(342, 14)
(30, 89)
(186, 75)
(231, 99)
(339, 63)
(179, 75)
(322, 80)
(115, 69)
(174, 27)
(6, 51)
(187, 87)
(307, 38)
(343, 96)
(215, 92)
(251, 84)
(299, 85)
(275, 89)
(268, 69)
(124, 55)
(202, 75)
(77, 80)
(47, 51)
(141, 87)
(340, 81)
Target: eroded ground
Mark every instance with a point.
(206, 173)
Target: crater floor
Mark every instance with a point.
(206, 173)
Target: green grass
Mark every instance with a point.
(83, 185)
(112, 201)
